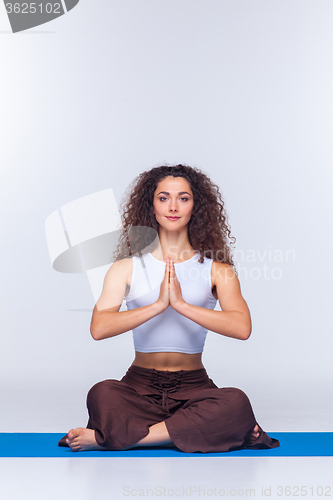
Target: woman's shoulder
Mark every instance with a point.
(223, 272)
(122, 263)
(121, 268)
(221, 265)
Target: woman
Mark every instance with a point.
(166, 397)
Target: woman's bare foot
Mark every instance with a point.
(158, 435)
(82, 439)
(253, 435)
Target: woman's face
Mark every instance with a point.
(173, 203)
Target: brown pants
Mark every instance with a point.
(198, 415)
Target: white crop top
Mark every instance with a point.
(170, 331)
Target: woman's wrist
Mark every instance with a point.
(179, 306)
(159, 306)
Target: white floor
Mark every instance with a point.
(201, 477)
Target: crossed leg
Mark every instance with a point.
(81, 439)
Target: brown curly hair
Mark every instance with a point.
(208, 230)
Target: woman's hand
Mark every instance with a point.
(164, 297)
(176, 299)
(170, 290)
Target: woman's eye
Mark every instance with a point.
(162, 198)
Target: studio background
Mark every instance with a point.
(241, 90)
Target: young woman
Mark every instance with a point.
(166, 396)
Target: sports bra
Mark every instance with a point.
(170, 331)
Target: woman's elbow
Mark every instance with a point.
(246, 332)
(95, 333)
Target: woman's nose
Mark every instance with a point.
(173, 206)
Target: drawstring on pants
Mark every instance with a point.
(165, 384)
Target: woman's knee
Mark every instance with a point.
(100, 391)
(237, 398)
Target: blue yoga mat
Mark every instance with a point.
(292, 444)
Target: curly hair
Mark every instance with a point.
(208, 229)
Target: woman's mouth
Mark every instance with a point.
(173, 218)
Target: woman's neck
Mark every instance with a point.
(173, 244)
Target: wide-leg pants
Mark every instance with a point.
(199, 416)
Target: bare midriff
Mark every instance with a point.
(170, 361)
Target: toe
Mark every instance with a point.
(70, 435)
(74, 433)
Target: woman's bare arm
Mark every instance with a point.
(234, 320)
(107, 321)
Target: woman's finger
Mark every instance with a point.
(166, 271)
(169, 268)
(172, 270)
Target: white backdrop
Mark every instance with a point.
(242, 90)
